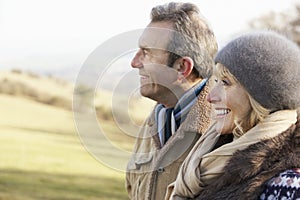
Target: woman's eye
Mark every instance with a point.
(225, 82)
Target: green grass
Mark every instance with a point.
(42, 157)
(29, 185)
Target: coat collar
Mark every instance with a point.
(249, 169)
(198, 117)
(196, 123)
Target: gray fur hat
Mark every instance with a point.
(267, 65)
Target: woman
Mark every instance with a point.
(255, 97)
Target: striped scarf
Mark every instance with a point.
(168, 120)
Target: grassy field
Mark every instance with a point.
(41, 156)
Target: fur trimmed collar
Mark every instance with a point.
(248, 170)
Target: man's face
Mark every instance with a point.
(156, 78)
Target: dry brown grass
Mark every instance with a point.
(59, 93)
(41, 89)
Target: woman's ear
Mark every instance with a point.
(185, 66)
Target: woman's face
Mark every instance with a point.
(229, 100)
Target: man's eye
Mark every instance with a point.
(145, 52)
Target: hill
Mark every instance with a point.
(59, 93)
(47, 90)
(42, 156)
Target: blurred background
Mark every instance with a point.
(43, 46)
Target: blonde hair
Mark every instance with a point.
(255, 115)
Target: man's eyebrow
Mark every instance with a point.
(144, 47)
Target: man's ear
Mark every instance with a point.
(185, 66)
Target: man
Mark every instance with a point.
(174, 60)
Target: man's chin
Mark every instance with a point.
(146, 94)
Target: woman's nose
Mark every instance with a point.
(137, 60)
(213, 96)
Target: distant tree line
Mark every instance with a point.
(286, 22)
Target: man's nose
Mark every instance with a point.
(137, 60)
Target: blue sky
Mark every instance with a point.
(62, 33)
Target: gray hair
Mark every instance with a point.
(194, 38)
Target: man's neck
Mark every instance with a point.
(173, 98)
(170, 101)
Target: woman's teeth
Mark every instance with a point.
(222, 111)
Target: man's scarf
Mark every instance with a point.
(169, 119)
